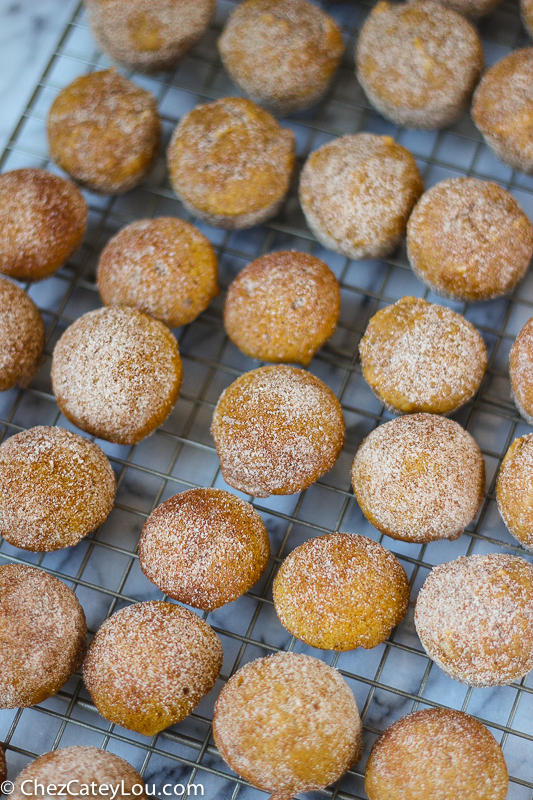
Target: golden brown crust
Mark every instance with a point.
(341, 591)
(55, 488)
(230, 163)
(116, 373)
(436, 753)
(164, 267)
(204, 547)
(42, 223)
(282, 53)
(148, 35)
(514, 490)
(104, 131)
(469, 239)
(277, 430)
(282, 307)
(419, 356)
(502, 109)
(43, 635)
(521, 371)
(357, 193)
(288, 723)
(418, 63)
(22, 336)
(150, 664)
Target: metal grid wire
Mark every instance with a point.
(393, 678)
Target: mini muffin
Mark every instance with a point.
(473, 9)
(418, 63)
(357, 193)
(42, 223)
(277, 430)
(469, 240)
(43, 635)
(287, 724)
(163, 266)
(104, 131)
(282, 53)
(55, 488)
(230, 163)
(22, 336)
(150, 664)
(474, 617)
(341, 591)
(282, 307)
(514, 490)
(204, 547)
(419, 356)
(148, 35)
(419, 478)
(102, 770)
(116, 374)
(521, 371)
(526, 12)
(502, 109)
(436, 753)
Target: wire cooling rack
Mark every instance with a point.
(390, 680)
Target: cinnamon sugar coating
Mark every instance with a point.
(502, 109)
(116, 373)
(357, 193)
(526, 12)
(419, 356)
(277, 430)
(288, 723)
(436, 753)
(86, 765)
(150, 664)
(282, 307)
(22, 336)
(230, 163)
(341, 591)
(521, 371)
(204, 547)
(164, 267)
(469, 239)
(514, 490)
(42, 223)
(282, 53)
(418, 62)
(419, 478)
(104, 131)
(474, 617)
(148, 35)
(472, 9)
(43, 635)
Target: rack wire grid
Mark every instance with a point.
(391, 679)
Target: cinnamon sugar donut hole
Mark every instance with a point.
(418, 62)
(116, 374)
(277, 430)
(419, 478)
(436, 753)
(43, 635)
(357, 193)
(104, 131)
(230, 163)
(164, 267)
(148, 35)
(521, 371)
(474, 617)
(22, 336)
(502, 109)
(42, 223)
(419, 356)
(84, 766)
(282, 53)
(204, 547)
(526, 12)
(282, 307)
(150, 664)
(341, 591)
(288, 723)
(469, 240)
(55, 488)
(514, 490)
